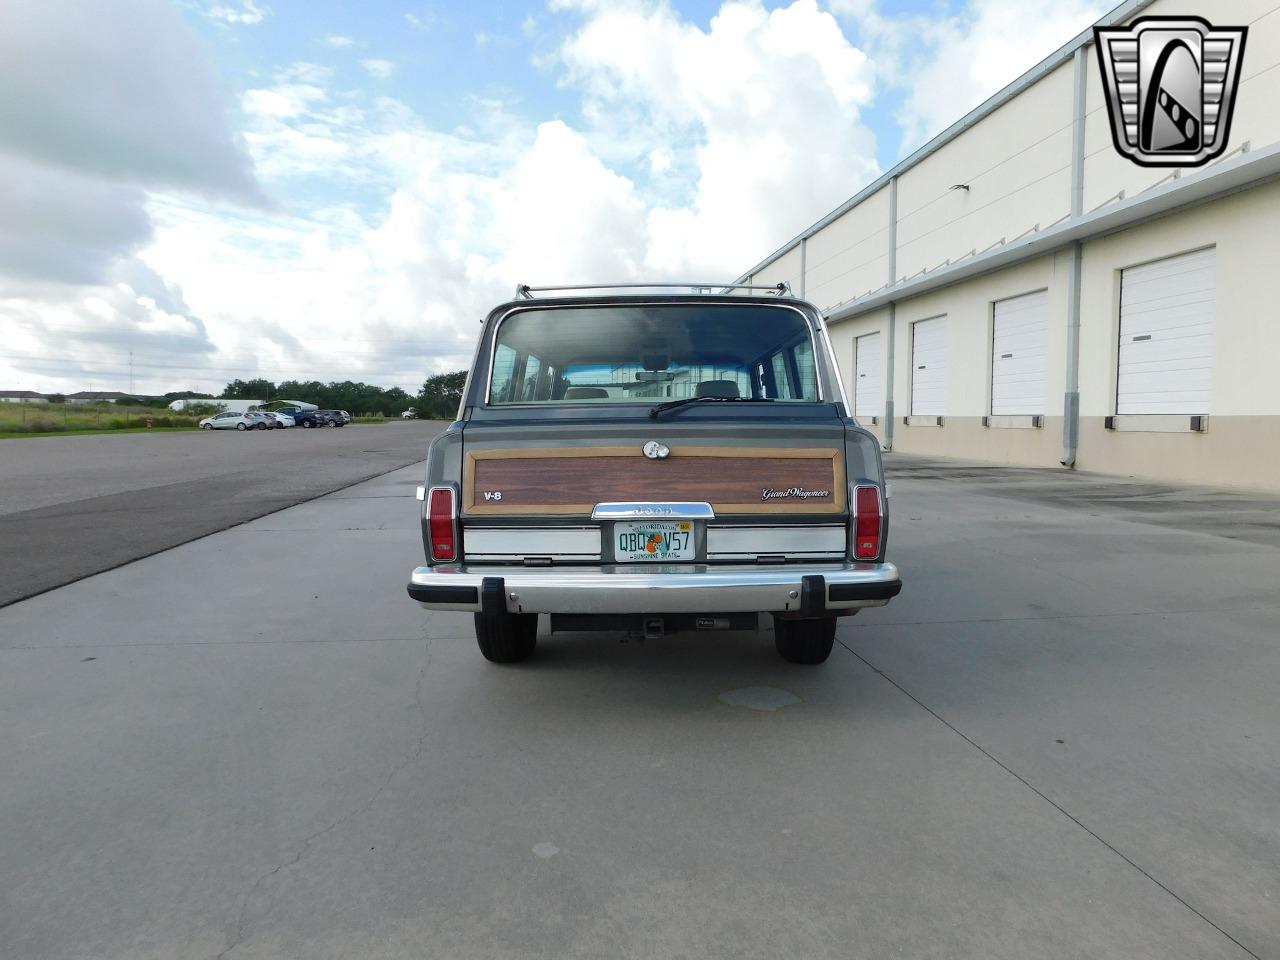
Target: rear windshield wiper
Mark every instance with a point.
(655, 412)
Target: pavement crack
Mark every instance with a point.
(1039, 793)
(413, 755)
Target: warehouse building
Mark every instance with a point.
(1020, 292)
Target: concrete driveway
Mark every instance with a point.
(1060, 741)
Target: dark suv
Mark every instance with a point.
(332, 418)
(301, 418)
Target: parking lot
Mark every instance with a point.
(1061, 740)
(73, 506)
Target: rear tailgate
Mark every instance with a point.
(778, 488)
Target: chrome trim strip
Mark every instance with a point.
(658, 588)
(835, 366)
(516, 543)
(790, 540)
(655, 510)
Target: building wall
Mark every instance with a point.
(786, 269)
(1241, 446)
(1017, 163)
(851, 255)
(36, 401)
(968, 309)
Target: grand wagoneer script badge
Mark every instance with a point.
(792, 493)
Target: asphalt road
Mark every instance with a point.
(1061, 740)
(74, 506)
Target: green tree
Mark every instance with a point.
(256, 389)
(440, 395)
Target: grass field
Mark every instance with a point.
(73, 417)
(62, 419)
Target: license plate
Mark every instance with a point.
(653, 540)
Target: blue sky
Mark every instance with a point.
(332, 190)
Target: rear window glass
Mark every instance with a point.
(620, 353)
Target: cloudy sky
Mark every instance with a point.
(328, 189)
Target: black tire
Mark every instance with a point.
(206, 426)
(332, 423)
(308, 424)
(241, 426)
(804, 641)
(506, 637)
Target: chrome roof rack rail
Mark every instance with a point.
(526, 292)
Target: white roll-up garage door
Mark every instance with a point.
(868, 384)
(1020, 355)
(1166, 335)
(929, 355)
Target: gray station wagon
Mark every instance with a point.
(654, 462)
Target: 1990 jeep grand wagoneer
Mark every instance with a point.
(654, 462)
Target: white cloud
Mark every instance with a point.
(762, 109)
(339, 41)
(63, 338)
(245, 12)
(381, 69)
(947, 66)
(698, 148)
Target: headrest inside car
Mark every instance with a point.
(717, 388)
(586, 393)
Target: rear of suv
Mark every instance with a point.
(654, 462)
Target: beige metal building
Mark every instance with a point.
(1017, 291)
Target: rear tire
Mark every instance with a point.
(807, 642)
(506, 637)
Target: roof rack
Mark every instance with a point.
(526, 292)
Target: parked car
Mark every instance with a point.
(230, 420)
(301, 418)
(261, 420)
(279, 420)
(656, 463)
(409, 414)
(332, 418)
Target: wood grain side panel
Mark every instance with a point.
(732, 480)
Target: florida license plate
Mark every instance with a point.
(667, 540)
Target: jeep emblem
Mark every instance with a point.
(655, 450)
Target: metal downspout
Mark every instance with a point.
(893, 314)
(804, 246)
(1071, 395)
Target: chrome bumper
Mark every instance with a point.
(805, 590)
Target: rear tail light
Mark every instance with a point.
(868, 523)
(442, 524)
